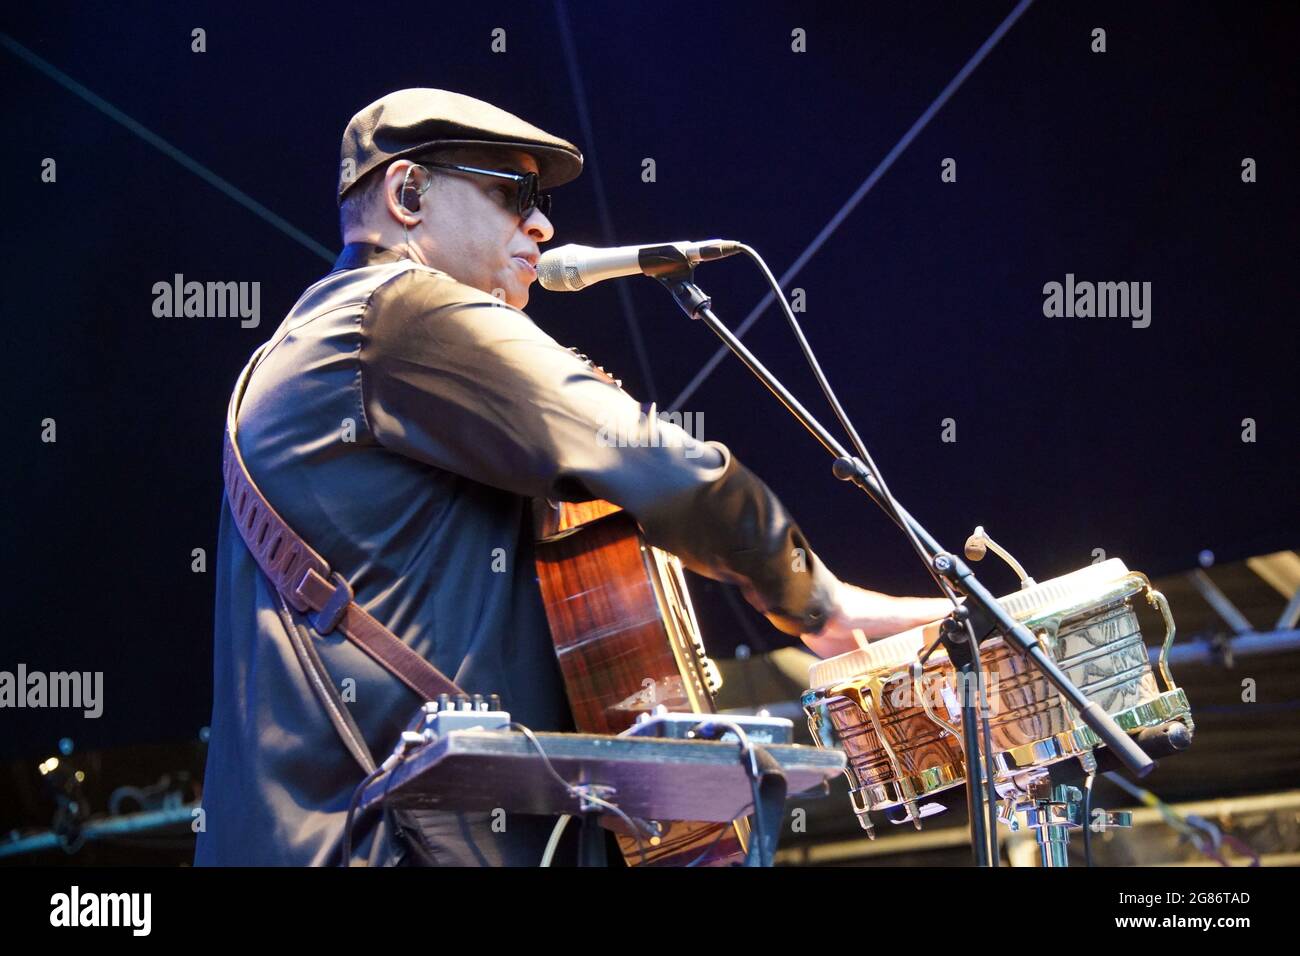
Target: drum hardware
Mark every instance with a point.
(1050, 804)
(909, 794)
(909, 815)
(1052, 810)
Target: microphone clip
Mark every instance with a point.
(679, 280)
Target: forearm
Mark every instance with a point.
(734, 529)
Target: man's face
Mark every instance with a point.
(472, 228)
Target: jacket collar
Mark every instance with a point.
(358, 254)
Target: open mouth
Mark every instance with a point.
(525, 265)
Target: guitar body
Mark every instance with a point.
(627, 641)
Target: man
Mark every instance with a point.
(401, 420)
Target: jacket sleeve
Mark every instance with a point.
(454, 378)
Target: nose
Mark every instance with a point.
(537, 227)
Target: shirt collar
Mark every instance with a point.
(358, 254)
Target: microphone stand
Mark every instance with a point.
(671, 268)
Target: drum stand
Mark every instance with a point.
(983, 828)
(1051, 805)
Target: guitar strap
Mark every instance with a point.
(304, 579)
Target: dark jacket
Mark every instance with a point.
(401, 423)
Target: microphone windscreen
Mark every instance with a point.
(551, 273)
(975, 548)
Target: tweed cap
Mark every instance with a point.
(410, 122)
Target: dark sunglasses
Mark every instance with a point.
(527, 197)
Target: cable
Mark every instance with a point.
(1201, 833)
(408, 738)
(890, 504)
(746, 748)
(746, 751)
(632, 825)
(352, 810)
(553, 843)
(578, 792)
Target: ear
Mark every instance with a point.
(404, 186)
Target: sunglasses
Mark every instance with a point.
(527, 197)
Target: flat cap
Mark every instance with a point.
(409, 122)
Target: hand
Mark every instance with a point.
(861, 616)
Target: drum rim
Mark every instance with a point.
(1166, 706)
(1093, 591)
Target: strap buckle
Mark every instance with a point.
(329, 616)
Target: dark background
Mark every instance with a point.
(1073, 434)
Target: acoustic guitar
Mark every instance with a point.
(628, 641)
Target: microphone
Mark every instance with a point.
(572, 268)
(976, 548)
(980, 544)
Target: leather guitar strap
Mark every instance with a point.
(304, 579)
